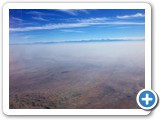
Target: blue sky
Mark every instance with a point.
(48, 25)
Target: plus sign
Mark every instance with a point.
(147, 99)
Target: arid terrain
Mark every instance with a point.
(76, 75)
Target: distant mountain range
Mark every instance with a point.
(83, 41)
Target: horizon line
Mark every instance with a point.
(81, 41)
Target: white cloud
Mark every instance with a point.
(50, 26)
(34, 12)
(131, 16)
(73, 12)
(16, 19)
(39, 18)
(37, 13)
(79, 23)
(68, 30)
(93, 20)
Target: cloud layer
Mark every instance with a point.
(131, 16)
(73, 12)
(80, 23)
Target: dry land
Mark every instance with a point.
(76, 75)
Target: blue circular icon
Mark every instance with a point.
(147, 99)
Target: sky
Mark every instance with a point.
(56, 25)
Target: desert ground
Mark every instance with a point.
(76, 75)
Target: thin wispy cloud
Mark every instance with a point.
(68, 30)
(36, 15)
(81, 23)
(39, 13)
(49, 27)
(73, 12)
(34, 12)
(39, 18)
(131, 16)
(16, 19)
(93, 20)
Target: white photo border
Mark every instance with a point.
(8, 6)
